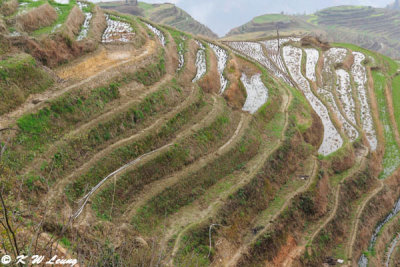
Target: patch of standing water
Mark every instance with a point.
(392, 246)
(85, 26)
(363, 261)
(117, 31)
(311, 64)
(344, 90)
(332, 140)
(333, 56)
(201, 63)
(157, 32)
(273, 48)
(222, 57)
(257, 93)
(348, 129)
(360, 78)
(181, 57)
(255, 51)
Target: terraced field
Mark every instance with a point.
(376, 29)
(149, 146)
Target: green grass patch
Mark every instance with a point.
(148, 108)
(49, 123)
(152, 73)
(20, 76)
(391, 159)
(175, 158)
(190, 188)
(396, 98)
(63, 11)
(271, 18)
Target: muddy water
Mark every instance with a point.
(85, 26)
(201, 63)
(391, 249)
(332, 140)
(157, 32)
(363, 261)
(257, 93)
(222, 57)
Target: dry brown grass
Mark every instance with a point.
(210, 83)
(8, 8)
(73, 23)
(236, 93)
(189, 71)
(39, 17)
(348, 62)
(315, 41)
(97, 26)
(377, 156)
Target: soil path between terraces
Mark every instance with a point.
(245, 177)
(211, 116)
(58, 189)
(9, 118)
(245, 247)
(353, 233)
(157, 187)
(113, 111)
(294, 254)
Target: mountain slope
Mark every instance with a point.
(371, 28)
(167, 14)
(142, 145)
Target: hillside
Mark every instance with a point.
(124, 142)
(167, 14)
(371, 28)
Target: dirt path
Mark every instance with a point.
(361, 164)
(9, 118)
(299, 250)
(353, 233)
(113, 111)
(58, 189)
(150, 155)
(157, 187)
(184, 223)
(245, 247)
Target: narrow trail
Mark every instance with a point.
(353, 233)
(154, 127)
(245, 177)
(9, 118)
(150, 155)
(361, 160)
(157, 187)
(113, 111)
(294, 254)
(244, 248)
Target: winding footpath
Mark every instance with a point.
(157, 187)
(146, 157)
(28, 106)
(245, 248)
(244, 178)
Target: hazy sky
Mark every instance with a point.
(223, 15)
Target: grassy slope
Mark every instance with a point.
(166, 13)
(361, 25)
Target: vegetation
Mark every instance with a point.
(20, 76)
(63, 11)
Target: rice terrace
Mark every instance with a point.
(132, 135)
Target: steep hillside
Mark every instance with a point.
(167, 14)
(372, 28)
(151, 146)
